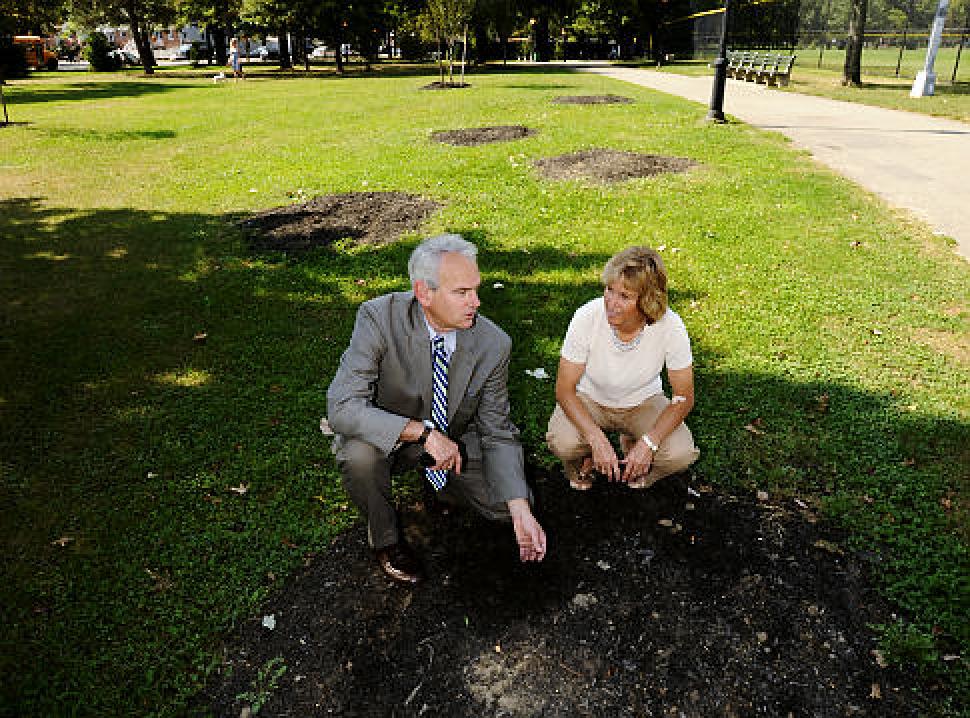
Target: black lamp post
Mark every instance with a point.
(716, 112)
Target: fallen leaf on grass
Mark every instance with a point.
(762, 495)
(289, 544)
(754, 429)
(241, 489)
(62, 541)
(828, 546)
(538, 373)
(875, 692)
(269, 621)
(200, 337)
(908, 462)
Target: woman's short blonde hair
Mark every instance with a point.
(643, 272)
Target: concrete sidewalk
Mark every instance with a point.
(913, 161)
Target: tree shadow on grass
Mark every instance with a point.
(22, 94)
(161, 390)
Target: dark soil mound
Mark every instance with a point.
(363, 217)
(609, 165)
(592, 100)
(438, 85)
(482, 135)
(665, 602)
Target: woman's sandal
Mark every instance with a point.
(644, 482)
(582, 482)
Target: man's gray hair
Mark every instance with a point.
(425, 261)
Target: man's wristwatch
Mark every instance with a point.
(650, 443)
(428, 428)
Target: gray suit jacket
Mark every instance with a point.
(384, 379)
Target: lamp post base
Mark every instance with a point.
(924, 84)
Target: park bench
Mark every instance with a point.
(769, 68)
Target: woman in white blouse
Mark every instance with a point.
(609, 380)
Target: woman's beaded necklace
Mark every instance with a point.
(627, 346)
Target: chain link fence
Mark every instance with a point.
(820, 43)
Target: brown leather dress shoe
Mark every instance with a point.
(399, 563)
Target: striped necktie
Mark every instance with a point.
(439, 403)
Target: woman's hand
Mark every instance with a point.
(637, 461)
(605, 460)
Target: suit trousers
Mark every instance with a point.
(367, 473)
(675, 453)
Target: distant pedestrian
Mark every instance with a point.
(235, 59)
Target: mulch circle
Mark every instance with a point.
(482, 135)
(608, 165)
(673, 601)
(438, 85)
(361, 217)
(592, 100)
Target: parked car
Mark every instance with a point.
(182, 51)
(268, 53)
(125, 57)
(36, 52)
(319, 52)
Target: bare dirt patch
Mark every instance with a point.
(608, 165)
(592, 100)
(667, 602)
(439, 85)
(361, 217)
(482, 135)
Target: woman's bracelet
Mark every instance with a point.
(649, 442)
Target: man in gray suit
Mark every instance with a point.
(411, 355)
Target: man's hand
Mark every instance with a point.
(637, 461)
(444, 451)
(528, 533)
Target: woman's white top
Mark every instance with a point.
(622, 378)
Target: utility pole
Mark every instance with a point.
(925, 81)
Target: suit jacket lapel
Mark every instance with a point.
(419, 350)
(460, 369)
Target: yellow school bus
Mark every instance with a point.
(38, 56)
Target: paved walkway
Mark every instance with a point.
(913, 161)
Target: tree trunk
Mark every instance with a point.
(541, 30)
(306, 54)
(852, 70)
(219, 41)
(482, 52)
(338, 51)
(135, 23)
(285, 62)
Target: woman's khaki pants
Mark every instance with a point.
(675, 453)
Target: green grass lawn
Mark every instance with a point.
(821, 74)
(156, 488)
